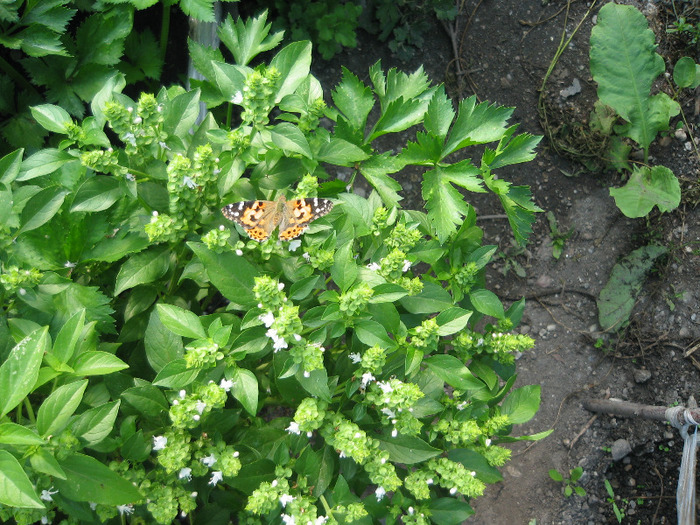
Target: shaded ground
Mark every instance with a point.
(506, 50)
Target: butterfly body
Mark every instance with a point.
(259, 218)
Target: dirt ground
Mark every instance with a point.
(504, 48)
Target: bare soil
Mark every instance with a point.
(501, 50)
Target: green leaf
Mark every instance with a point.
(372, 333)
(289, 138)
(399, 115)
(100, 38)
(95, 424)
(439, 114)
(446, 206)
(114, 248)
(487, 302)
(43, 461)
(344, 270)
(452, 320)
(449, 511)
(10, 166)
(387, 293)
(245, 389)
(181, 113)
(52, 118)
(38, 41)
(646, 188)
(433, 298)
(686, 73)
(143, 268)
(16, 489)
(176, 375)
(522, 404)
(618, 296)
(520, 148)
(41, 208)
(97, 363)
(375, 171)
(353, 99)
(57, 409)
(19, 372)
(68, 337)
(89, 480)
(97, 193)
(407, 449)
(14, 434)
(294, 63)
(202, 10)
(162, 345)
(147, 399)
(246, 39)
(520, 209)
(555, 475)
(476, 124)
(181, 321)
(340, 152)
(236, 286)
(229, 78)
(453, 372)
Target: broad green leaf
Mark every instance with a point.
(245, 389)
(176, 375)
(246, 39)
(487, 302)
(449, 511)
(16, 489)
(646, 188)
(522, 404)
(90, 480)
(289, 138)
(474, 461)
(230, 79)
(41, 208)
(476, 124)
(387, 293)
(44, 461)
(181, 321)
(68, 337)
(315, 383)
(10, 166)
(14, 434)
(181, 113)
(340, 152)
(452, 320)
(19, 372)
(686, 73)
(147, 399)
(372, 333)
(162, 344)
(38, 41)
(52, 118)
(353, 99)
(407, 449)
(294, 63)
(344, 270)
(95, 424)
(433, 298)
(143, 268)
(252, 475)
(56, 410)
(453, 372)
(97, 193)
(97, 363)
(114, 248)
(619, 295)
(231, 274)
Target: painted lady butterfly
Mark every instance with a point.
(260, 218)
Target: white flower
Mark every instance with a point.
(46, 494)
(429, 481)
(394, 433)
(293, 245)
(125, 509)
(22, 291)
(373, 266)
(155, 213)
(453, 490)
(200, 406)
(187, 181)
(307, 373)
(293, 428)
(355, 357)
(366, 378)
(159, 442)
(380, 493)
(277, 342)
(226, 384)
(209, 460)
(216, 476)
(488, 442)
(385, 386)
(45, 520)
(288, 520)
(69, 264)
(388, 412)
(280, 286)
(321, 520)
(163, 145)
(130, 138)
(138, 120)
(221, 227)
(185, 473)
(297, 338)
(237, 98)
(182, 394)
(239, 252)
(406, 265)
(306, 256)
(286, 498)
(130, 177)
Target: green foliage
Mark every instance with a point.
(619, 514)
(571, 483)
(624, 63)
(558, 237)
(156, 361)
(618, 296)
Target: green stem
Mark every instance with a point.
(30, 411)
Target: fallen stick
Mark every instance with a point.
(677, 416)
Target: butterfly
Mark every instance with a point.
(260, 218)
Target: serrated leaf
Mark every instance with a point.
(439, 115)
(39, 41)
(246, 39)
(142, 268)
(100, 39)
(476, 124)
(446, 206)
(202, 10)
(353, 99)
(399, 115)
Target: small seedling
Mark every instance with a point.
(558, 237)
(570, 483)
(611, 499)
